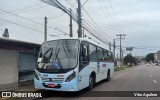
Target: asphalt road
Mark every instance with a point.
(139, 78)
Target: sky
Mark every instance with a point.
(138, 19)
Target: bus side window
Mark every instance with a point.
(110, 56)
(84, 59)
(106, 57)
(100, 54)
(92, 53)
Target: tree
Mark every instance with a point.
(135, 61)
(150, 57)
(128, 59)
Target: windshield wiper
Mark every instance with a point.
(50, 55)
(46, 53)
(57, 63)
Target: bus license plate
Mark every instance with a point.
(51, 85)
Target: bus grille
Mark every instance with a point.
(56, 80)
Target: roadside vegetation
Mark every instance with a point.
(128, 62)
(121, 68)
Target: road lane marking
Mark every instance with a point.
(155, 81)
(119, 76)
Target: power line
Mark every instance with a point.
(114, 13)
(96, 23)
(93, 21)
(64, 9)
(72, 5)
(90, 26)
(116, 31)
(21, 25)
(84, 3)
(26, 10)
(57, 16)
(20, 17)
(93, 33)
(111, 17)
(97, 37)
(28, 20)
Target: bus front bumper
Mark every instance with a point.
(64, 86)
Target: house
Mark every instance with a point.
(17, 60)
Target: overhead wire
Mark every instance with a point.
(56, 16)
(21, 25)
(93, 21)
(87, 29)
(25, 10)
(115, 30)
(72, 5)
(84, 3)
(111, 17)
(28, 20)
(114, 13)
(96, 24)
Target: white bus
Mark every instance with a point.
(72, 65)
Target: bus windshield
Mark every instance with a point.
(58, 54)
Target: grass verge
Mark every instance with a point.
(121, 68)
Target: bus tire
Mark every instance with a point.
(91, 82)
(108, 76)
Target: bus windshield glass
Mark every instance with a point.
(58, 54)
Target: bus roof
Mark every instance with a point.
(100, 44)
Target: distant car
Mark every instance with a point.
(148, 64)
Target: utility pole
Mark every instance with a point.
(109, 45)
(122, 55)
(120, 37)
(71, 32)
(45, 28)
(114, 47)
(83, 33)
(79, 19)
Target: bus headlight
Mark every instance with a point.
(36, 76)
(70, 77)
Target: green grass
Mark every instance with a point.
(121, 68)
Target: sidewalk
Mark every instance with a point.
(22, 86)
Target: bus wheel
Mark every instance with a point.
(91, 83)
(108, 76)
